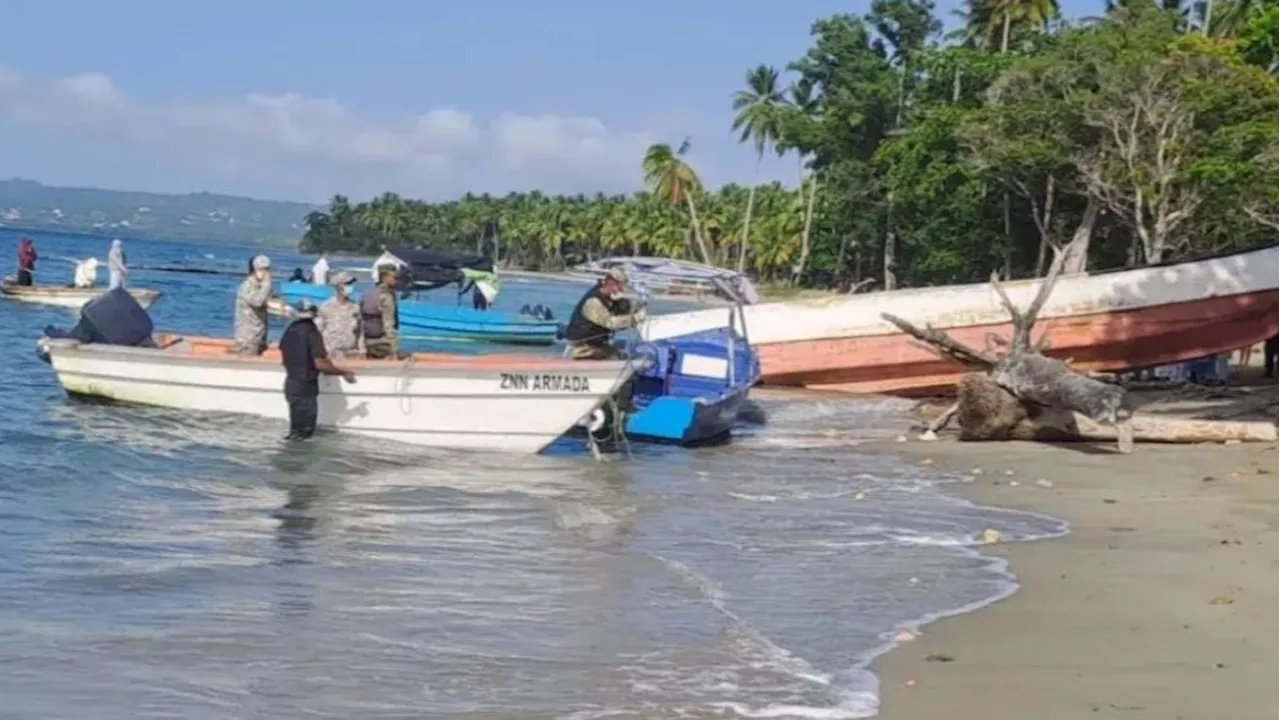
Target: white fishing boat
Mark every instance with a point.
(68, 297)
(517, 403)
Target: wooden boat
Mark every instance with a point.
(69, 297)
(495, 402)
(429, 321)
(1107, 322)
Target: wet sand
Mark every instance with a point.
(1161, 603)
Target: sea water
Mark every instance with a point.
(163, 564)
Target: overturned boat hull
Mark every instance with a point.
(1109, 322)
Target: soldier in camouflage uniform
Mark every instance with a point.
(251, 308)
(339, 318)
(379, 316)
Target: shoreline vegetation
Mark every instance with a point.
(923, 160)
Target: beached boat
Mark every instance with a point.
(667, 276)
(691, 388)
(1107, 322)
(69, 297)
(494, 402)
(429, 321)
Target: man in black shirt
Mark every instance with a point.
(304, 357)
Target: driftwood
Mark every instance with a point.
(986, 411)
(1020, 384)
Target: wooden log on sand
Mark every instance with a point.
(1020, 394)
(986, 411)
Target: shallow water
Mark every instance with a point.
(161, 564)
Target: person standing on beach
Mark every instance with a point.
(380, 316)
(339, 318)
(26, 261)
(116, 268)
(251, 308)
(303, 354)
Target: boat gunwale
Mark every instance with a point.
(204, 349)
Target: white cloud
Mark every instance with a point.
(289, 145)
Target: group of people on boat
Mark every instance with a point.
(341, 327)
(86, 271)
(366, 327)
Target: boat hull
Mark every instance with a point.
(428, 321)
(514, 403)
(685, 420)
(1111, 322)
(74, 298)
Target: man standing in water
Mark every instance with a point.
(380, 316)
(339, 318)
(116, 268)
(304, 357)
(251, 308)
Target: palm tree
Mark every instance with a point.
(757, 119)
(667, 175)
(1004, 14)
(806, 106)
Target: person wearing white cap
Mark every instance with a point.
(251, 308)
(339, 318)
(600, 313)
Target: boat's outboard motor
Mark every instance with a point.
(113, 318)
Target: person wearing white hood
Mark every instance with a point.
(86, 273)
(116, 267)
(320, 271)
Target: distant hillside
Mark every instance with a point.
(195, 216)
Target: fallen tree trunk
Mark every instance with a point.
(986, 411)
(1023, 394)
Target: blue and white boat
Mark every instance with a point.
(429, 321)
(425, 270)
(693, 387)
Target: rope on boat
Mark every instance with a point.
(402, 386)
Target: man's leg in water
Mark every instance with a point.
(303, 411)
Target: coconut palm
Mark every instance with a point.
(758, 120)
(668, 176)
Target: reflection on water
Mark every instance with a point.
(160, 564)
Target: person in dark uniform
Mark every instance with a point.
(600, 313)
(304, 357)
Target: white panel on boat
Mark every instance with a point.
(704, 366)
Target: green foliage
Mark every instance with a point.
(924, 161)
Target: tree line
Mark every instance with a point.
(1149, 132)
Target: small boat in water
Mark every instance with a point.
(496, 402)
(692, 387)
(1105, 322)
(69, 297)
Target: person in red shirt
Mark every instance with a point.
(26, 261)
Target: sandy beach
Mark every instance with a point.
(1160, 603)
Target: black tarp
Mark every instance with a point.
(436, 268)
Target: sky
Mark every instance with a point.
(294, 100)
